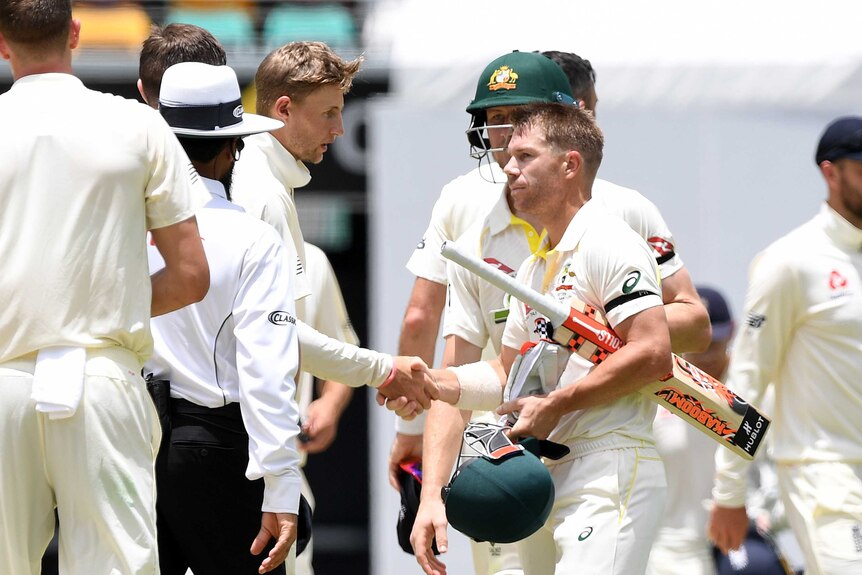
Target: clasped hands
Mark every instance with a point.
(411, 390)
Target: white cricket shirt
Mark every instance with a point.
(596, 260)
(802, 332)
(263, 184)
(477, 310)
(239, 344)
(462, 202)
(83, 176)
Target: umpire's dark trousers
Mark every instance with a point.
(208, 513)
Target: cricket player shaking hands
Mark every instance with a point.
(802, 333)
(302, 85)
(477, 310)
(611, 488)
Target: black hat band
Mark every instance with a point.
(203, 117)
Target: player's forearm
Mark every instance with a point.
(687, 318)
(419, 337)
(422, 320)
(635, 365)
(689, 328)
(330, 359)
(731, 479)
(474, 386)
(440, 447)
(336, 396)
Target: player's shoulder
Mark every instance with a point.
(473, 183)
(620, 198)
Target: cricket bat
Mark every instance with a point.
(688, 391)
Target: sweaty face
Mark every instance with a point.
(850, 186)
(314, 123)
(535, 173)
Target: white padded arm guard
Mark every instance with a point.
(481, 388)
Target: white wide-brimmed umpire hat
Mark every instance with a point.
(203, 101)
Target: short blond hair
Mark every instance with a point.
(564, 127)
(299, 68)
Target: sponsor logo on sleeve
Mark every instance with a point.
(421, 244)
(632, 279)
(281, 318)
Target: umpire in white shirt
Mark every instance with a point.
(230, 361)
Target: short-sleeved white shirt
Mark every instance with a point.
(263, 183)
(596, 261)
(477, 310)
(462, 202)
(83, 176)
(239, 344)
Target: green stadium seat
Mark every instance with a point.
(233, 28)
(330, 23)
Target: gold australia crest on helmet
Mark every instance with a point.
(503, 78)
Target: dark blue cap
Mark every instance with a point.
(719, 312)
(841, 139)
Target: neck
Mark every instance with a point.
(845, 213)
(558, 221)
(21, 67)
(281, 136)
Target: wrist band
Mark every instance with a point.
(481, 389)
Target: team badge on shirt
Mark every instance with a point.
(503, 78)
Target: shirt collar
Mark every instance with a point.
(290, 171)
(576, 228)
(840, 230)
(500, 215)
(49, 77)
(215, 188)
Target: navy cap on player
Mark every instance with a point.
(719, 312)
(841, 139)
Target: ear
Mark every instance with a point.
(281, 108)
(4, 48)
(574, 164)
(141, 92)
(74, 34)
(829, 171)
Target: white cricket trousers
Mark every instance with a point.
(96, 467)
(607, 510)
(823, 504)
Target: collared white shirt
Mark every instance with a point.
(802, 332)
(477, 310)
(239, 344)
(603, 262)
(263, 184)
(83, 176)
(462, 202)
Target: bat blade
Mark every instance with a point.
(688, 392)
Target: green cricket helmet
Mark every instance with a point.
(507, 493)
(514, 79)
